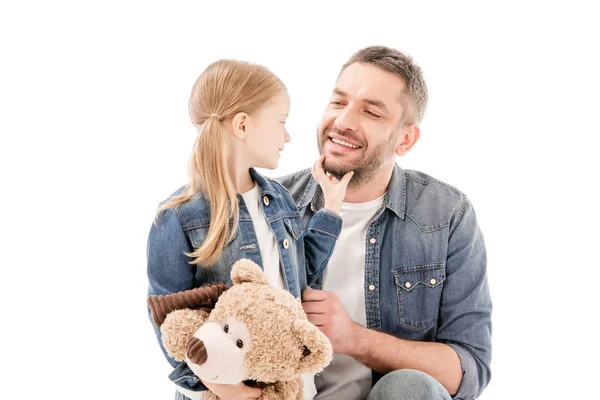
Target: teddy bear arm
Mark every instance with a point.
(291, 390)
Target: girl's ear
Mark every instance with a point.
(239, 125)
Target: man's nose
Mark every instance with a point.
(196, 351)
(347, 120)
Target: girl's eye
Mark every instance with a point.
(226, 328)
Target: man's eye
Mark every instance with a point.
(336, 103)
(372, 114)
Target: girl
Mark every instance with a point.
(229, 211)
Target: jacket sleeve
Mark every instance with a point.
(319, 241)
(169, 272)
(466, 307)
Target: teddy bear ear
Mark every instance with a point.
(178, 328)
(245, 270)
(317, 351)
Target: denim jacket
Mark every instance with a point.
(425, 268)
(303, 254)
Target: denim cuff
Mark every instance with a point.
(326, 221)
(184, 377)
(469, 385)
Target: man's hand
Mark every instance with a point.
(234, 392)
(333, 189)
(325, 310)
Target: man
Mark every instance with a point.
(404, 299)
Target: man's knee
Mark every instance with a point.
(408, 384)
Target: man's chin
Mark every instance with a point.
(336, 169)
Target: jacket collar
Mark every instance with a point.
(395, 196)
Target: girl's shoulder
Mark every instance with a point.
(193, 213)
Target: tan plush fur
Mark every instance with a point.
(284, 344)
(178, 329)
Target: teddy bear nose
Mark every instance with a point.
(196, 351)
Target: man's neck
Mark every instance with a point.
(373, 189)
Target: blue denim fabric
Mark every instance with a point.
(408, 384)
(183, 228)
(427, 266)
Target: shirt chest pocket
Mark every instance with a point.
(419, 290)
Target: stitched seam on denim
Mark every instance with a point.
(460, 214)
(441, 393)
(176, 209)
(302, 202)
(433, 180)
(282, 187)
(404, 194)
(414, 268)
(279, 216)
(197, 226)
(322, 231)
(417, 283)
(330, 213)
(295, 235)
(422, 227)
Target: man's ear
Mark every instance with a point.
(239, 125)
(409, 136)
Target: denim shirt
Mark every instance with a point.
(425, 272)
(303, 254)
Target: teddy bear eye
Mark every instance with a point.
(239, 343)
(226, 328)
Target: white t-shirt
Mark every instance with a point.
(266, 240)
(345, 378)
(271, 266)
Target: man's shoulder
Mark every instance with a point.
(296, 183)
(428, 197)
(423, 182)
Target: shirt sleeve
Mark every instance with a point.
(466, 307)
(169, 270)
(319, 241)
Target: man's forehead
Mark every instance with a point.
(368, 82)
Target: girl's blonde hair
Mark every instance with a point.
(225, 88)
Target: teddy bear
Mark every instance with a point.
(250, 331)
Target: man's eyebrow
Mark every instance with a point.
(340, 92)
(376, 103)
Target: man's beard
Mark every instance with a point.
(366, 167)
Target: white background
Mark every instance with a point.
(95, 132)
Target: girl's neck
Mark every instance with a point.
(244, 181)
(240, 173)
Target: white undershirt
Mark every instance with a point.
(271, 266)
(266, 240)
(345, 378)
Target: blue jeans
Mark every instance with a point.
(408, 384)
(403, 384)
